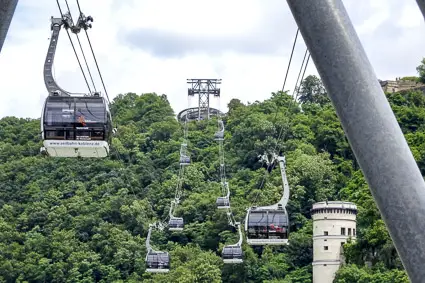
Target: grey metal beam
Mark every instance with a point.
(421, 4)
(369, 124)
(7, 9)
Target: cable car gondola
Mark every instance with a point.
(157, 262)
(233, 253)
(269, 225)
(224, 202)
(184, 158)
(71, 125)
(219, 135)
(176, 224)
(74, 126)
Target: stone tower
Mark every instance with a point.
(334, 222)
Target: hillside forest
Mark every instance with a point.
(86, 220)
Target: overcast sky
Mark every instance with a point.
(155, 45)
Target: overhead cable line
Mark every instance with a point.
(297, 87)
(296, 93)
(81, 48)
(272, 165)
(177, 223)
(302, 77)
(94, 56)
(298, 82)
(73, 47)
(230, 253)
(290, 59)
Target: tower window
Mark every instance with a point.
(325, 233)
(354, 231)
(342, 231)
(349, 231)
(326, 248)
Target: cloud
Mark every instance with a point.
(170, 44)
(154, 46)
(241, 29)
(395, 46)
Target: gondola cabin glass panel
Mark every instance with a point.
(267, 227)
(257, 225)
(277, 225)
(176, 224)
(232, 254)
(157, 262)
(76, 126)
(223, 202)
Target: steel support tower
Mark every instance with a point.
(203, 88)
(369, 123)
(7, 9)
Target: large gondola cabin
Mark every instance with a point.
(267, 226)
(157, 262)
(76, 126)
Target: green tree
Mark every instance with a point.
(421, 71)
(312, 90)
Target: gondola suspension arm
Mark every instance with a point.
(239, 243)
(173, 205)
(157, 225)
(285, 197)
(148, 239)
(49, 81)
(285, 185)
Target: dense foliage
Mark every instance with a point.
(67, 220)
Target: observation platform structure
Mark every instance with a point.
(203, 89)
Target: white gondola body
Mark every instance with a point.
(64, 137)
(223, 207)
(175, 229)
(77, 148)
(153, 270)
(233, 260)
(262, 242)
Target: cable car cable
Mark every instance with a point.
(290, 59)
(299, 73)
(177, 223)
(283, 200)
(302, 78)
(73, 47)
(297, 92)
(271, 166)
(81, 48)
(94, 57)
(230, 253)
(280, 137)
(156, 261)
(294, 92)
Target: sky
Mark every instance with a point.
(154, 46)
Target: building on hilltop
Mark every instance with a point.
(334, 222)
(399, 85)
